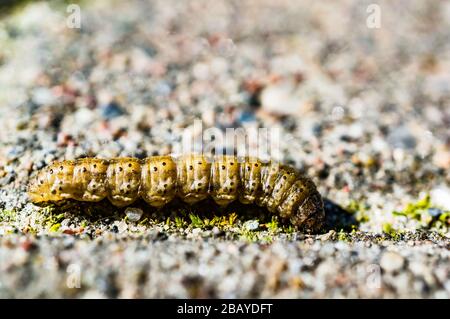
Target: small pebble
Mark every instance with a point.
(402, 138)
(391, 261)
(440, 196)
(133, 214)
(251, 225)
(434, 212)
(112, 110)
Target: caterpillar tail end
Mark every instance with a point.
(34, 192)
(38, 190)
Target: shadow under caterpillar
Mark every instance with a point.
(192, 178)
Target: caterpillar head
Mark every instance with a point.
(310, 215)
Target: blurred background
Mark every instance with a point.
(359, 89)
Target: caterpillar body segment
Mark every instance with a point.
(158, 183)
(192, 178)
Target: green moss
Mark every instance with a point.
(288, 229)
(219, 221)
(420, 211)
(50, 218)
(445, 218)
(193, 220)
(442, 223)
(359, 209)
(7, 215)
(30, 229)
(7, 6)
(12, 6)
(353, 206)
(250, 236)
(232, 219)
(180, 222)
(273, 226)
(391, 232)
(387, 228)
(415, 210)
(196, 221)
(143, 222)
(343, 236)
(267, 239)
(54, 228)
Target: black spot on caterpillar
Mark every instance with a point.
(192, 178)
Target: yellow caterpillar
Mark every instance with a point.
(192, 178)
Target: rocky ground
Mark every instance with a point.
(364, 111)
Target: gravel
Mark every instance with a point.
(147, 267)
(365, 112)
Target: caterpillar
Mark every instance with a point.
(159, 179)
